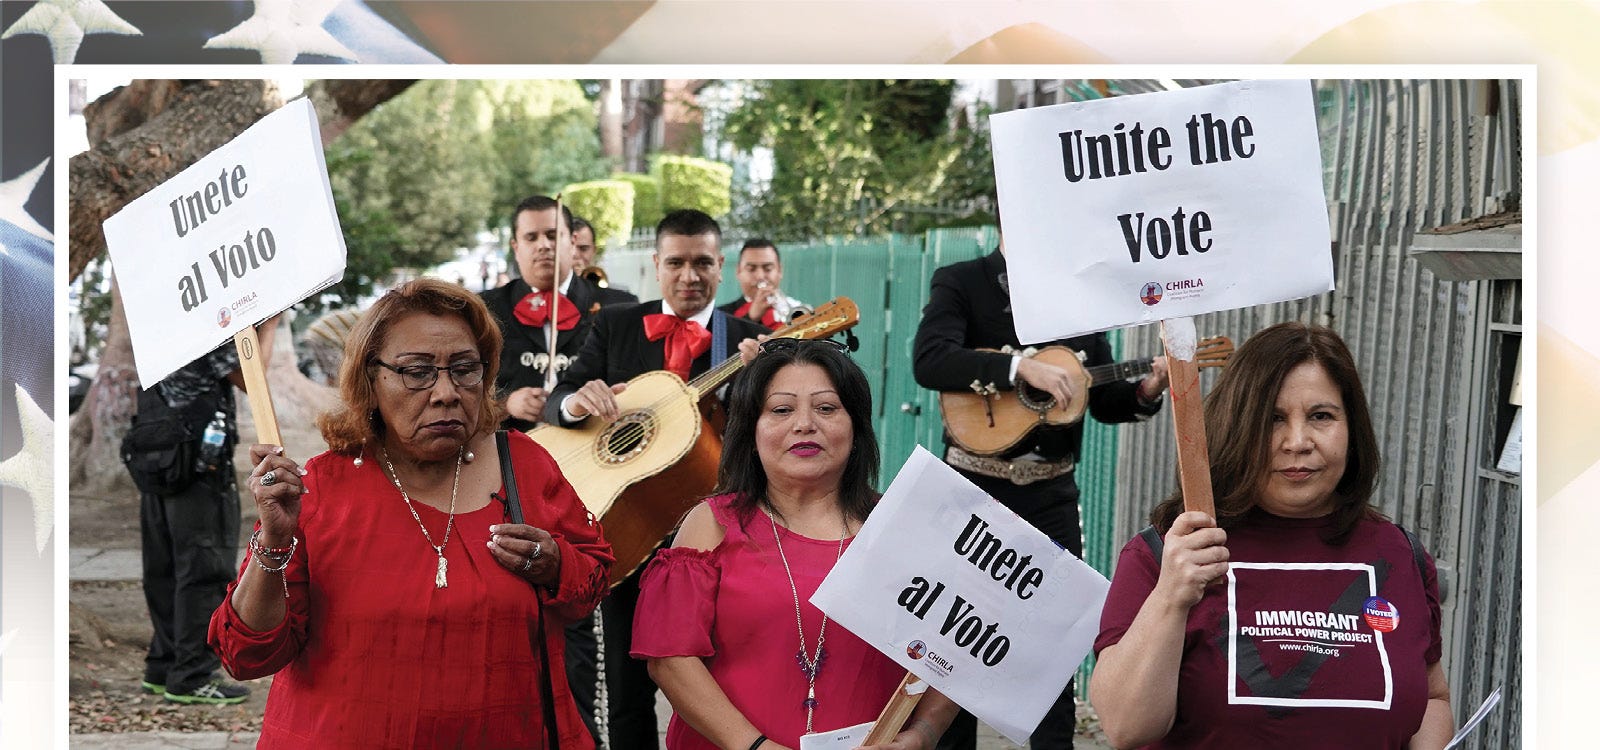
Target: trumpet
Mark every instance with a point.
(597, 275)
(783, 308)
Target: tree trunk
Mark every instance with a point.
(150, 131)
(141, 135)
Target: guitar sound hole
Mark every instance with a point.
(1035, 399)
(627, 437)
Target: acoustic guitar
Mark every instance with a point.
(992, 423)
(640, 473)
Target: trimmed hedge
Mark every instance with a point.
(606, 204)
(646, 197)
(692, 182)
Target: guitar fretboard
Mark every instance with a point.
(1119, 370)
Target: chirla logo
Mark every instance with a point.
(916, 649)
(224, 318)
(1150, 293)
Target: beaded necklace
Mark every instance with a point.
(809, 665)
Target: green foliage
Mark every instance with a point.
(417, 174)
(646, 197)
(692, 182)
(859, 156)
(607, 204)
(544, 135)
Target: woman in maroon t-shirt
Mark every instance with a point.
(1307, 629)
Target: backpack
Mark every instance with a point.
(163, 444)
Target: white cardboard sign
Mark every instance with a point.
(1141, 208)
(968, 596)
(242, 234)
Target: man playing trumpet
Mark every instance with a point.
(759, 273)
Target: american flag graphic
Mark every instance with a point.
(33, 37)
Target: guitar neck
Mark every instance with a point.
(1119, 370)
(712, 379)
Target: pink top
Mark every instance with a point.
(732, 606)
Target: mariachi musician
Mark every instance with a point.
(526, 311)
(682, 333)
(969, 307)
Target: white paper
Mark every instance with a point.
(1511, 455)
(839, 739)
(242, 234)
(1477, 718)
(1048, 619)
(1254, 226)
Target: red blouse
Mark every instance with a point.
(372, 655)
(733, 607)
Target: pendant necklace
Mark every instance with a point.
(439, 581)
(809, 665)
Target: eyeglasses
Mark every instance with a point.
(786, 344)
(422, 377)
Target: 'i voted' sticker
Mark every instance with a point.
(1380, 614)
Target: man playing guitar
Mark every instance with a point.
(679, 333)
(969, 308)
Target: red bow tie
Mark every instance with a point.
(768, 318)
(686, 340)
(534, 310)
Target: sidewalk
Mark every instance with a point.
(121, 564)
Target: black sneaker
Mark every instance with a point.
(217, 692)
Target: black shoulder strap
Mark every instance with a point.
(1154, 541)
(502, 442)
(1416, 552)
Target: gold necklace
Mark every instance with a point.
(394, 476)
(809, 665)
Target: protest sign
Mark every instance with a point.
(242, 234)
(1140, 208)
(967, 596)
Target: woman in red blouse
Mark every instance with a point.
(385, 587)
(725, 616)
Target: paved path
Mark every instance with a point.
(114, 564)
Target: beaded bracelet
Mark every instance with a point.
(286, 553)
(255, 546)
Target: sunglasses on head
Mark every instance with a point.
(789, 344)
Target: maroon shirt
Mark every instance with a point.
(1282, 653)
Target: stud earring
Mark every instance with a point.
(470, 455)
(358, 460)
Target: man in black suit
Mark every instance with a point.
(969, 307)
(583, 242)
(523, 307)
(759, 273)
(682, 333)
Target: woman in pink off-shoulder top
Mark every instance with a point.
(724, 616)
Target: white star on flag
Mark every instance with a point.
(66, 22)
(31, 470)
(282, 30)
(14, 193)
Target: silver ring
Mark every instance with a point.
(270, 478)
(538, 549)
(527, 565)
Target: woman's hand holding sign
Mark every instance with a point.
(1193, 557)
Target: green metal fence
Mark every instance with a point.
(888, 277)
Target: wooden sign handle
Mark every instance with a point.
(1188, 415)
(252, 366)
(894, 715)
